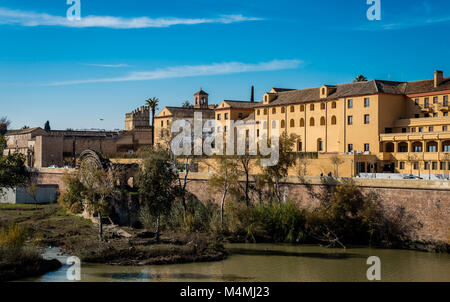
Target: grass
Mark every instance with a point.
(51, 225)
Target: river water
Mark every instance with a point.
(276, 262)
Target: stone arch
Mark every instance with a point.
(402, 147)
(432, 146)
(417, 147)
(389, 147)
(446, 146)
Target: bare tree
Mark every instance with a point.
(336, 160)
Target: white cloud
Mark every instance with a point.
(31, 19)
(404, 24)
(192, 71)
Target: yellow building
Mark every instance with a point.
(372, 126)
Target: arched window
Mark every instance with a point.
(311, 121)
(283, 124)
(323, 90)
(292, 109)
(417, 147)
(311, 107)
(292, 123)
(265, 111)
(322, 106)
(274, 110)
(432, 146)
(446, 146)
(258, 112)
(319, 144)
(322, 121)
(274, 124)
(333, 120)
(333, 105)
(283, 109)
(302, 108)
(302, 122)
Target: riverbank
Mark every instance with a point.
(50, 225)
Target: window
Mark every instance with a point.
(274, 124)
(366, 102)
(420, 129)
(283, 109)
(434, 165)
(283, 124)
(299, 146)
(418, 148)
(292, 123)
(258, 112)
(311, 121)
(350, 147)
(416, 102)
(350, 103)
(333, 120)
(403, 130)
(366, 147)
(292, 109)
(426, 103)
(402, 165)
(442, 166)
(322, 106)
(226, 116)
(427, 165)
(302, 122)
(445, 113)
(319, 145)
(430, 129)
(333, 105)
(435, 100)
(257, 132)
(311, 107)
(265, 111)
(350, 120)
(366, 119)
(218, 117)
(445, 100)
(162, 123)
(167, 122)
(413, 129)
(444, 128)
(435, 114)
(274, 110)
(322, 121)
(416, 115)
(416, 166)
(431, 148)
(302, 108)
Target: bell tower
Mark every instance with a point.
(201, 99)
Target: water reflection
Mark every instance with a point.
(270, 262)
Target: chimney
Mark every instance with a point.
(438, 78)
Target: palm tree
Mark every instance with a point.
(152, 103)
(360, 78)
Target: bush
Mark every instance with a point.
(12, 249)
(71, 198)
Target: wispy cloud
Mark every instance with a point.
(108, 65)
(26, 18)
(404, 24)
(192, 71)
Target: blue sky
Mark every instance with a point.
(124, 51)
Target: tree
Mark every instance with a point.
(224, 179)
(98, 187)
(279, 172)
(25, 127)
(252, 96)
(183, 180)
(360, 78)
(47, 126)
(186, 104)
(13, 172)
(336, 160)
(152, 103)
(157, 185)
(4, 124)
